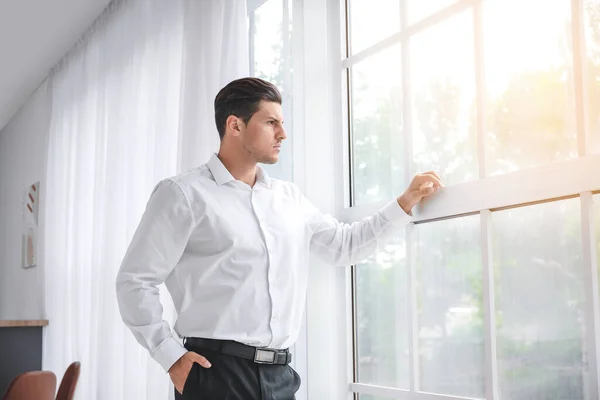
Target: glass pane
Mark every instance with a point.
(268, 45)
(377, 143)
(592, 18)
(539, 301)
(529, 83)
(419, 9)
(450, 307)
(372, 21)
(381, 317)
(443, 94)
(272, 59)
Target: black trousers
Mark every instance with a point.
(235, 378)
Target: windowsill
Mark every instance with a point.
(19, 323)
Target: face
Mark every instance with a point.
(263, 135)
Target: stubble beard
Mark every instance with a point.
(259, 157)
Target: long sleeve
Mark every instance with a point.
(342, 244)
(155, 250)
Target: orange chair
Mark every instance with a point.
(34, 385)
(66, 390)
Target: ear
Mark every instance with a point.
(234, 125)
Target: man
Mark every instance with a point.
(232, 246)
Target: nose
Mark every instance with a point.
(281, 135)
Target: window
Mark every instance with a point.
(381, 308)
(592, 65)
(271, 59)
(417, 10)
(484, 294)
(362, 12)
(449, 306)
(442, 98)
(530, 116)
(376, 127)
(540, 301)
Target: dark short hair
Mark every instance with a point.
(241, 98)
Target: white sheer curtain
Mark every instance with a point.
(131, 104)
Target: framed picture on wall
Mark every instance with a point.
(30, 225)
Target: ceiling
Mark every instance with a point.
(34, 36)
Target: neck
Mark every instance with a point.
(241, 167)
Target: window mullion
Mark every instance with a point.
(591, 297)
(489, 308)
(413, 318)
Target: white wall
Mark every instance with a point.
(22, 162)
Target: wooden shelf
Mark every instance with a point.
(17, 323)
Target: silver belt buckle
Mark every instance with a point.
(264, 356)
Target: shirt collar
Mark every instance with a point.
(262, 176)
(222, 175)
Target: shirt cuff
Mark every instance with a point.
(393, 212)
(169, 351)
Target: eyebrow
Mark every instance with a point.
(275, 118)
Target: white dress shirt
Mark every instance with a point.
(234, 258)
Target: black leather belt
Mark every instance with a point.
(259, 355)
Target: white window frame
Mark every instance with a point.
(578, 177)
(321, 172)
